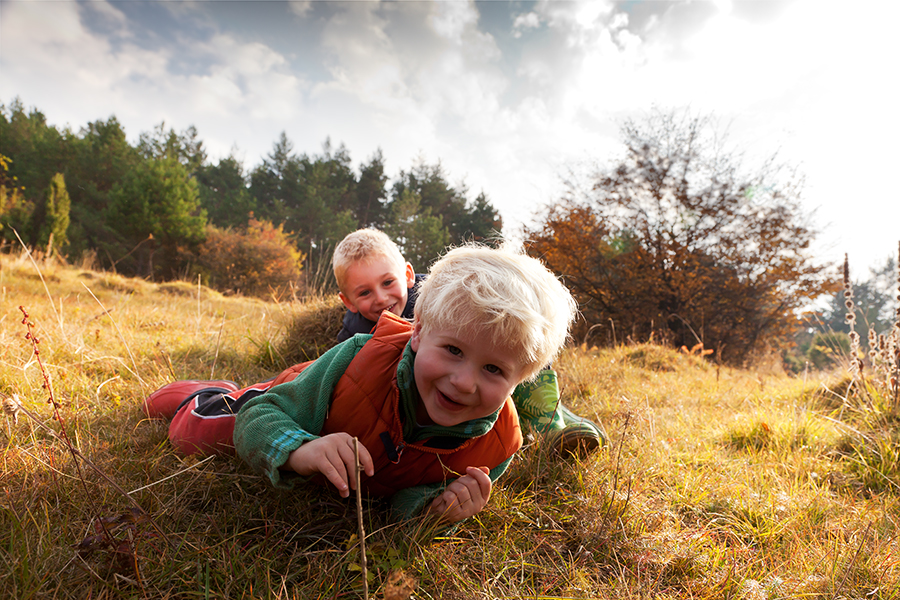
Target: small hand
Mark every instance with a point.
(333, 457)
(464, 497)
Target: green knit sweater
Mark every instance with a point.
(272, 425)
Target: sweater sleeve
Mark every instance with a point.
(272, 425)
(408, 502)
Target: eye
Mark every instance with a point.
(388, 282)
(362, 294)
(494, 369)
(454, 350)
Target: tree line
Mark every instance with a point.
(674, 241)
(160, 209)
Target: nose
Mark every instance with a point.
(463, 379)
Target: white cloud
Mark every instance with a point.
(110, 14)
(525, 22)
(410, 87)
(453, 20)
(77, 71)
(300, 8)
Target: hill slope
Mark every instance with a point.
(717, 483)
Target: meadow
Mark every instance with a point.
(716, 482)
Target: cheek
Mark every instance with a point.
(495, 394)
(425, 377)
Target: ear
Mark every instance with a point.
(347, 303)
(410, 276)
(416, 336)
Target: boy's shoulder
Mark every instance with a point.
(354, 323)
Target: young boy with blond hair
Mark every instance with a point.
(373, 277)
(429, 402)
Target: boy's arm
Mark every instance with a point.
(409, 502)
(269, 427)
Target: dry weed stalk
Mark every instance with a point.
(856, 364)
(12, 406)
(41, 275)
(883, 349)
(104, 537)
(615, 486)
(889, 348)
(119, 331)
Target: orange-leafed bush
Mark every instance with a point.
(257, 261)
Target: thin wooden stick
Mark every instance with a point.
(359, 518)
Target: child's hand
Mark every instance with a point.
(464, 497)
(333, 457)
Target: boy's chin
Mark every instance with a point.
(445, 421)
(377, 316)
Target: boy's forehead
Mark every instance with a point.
(378, 264)
(361, 272)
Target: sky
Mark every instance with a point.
(508, 96)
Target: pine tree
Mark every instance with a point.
(53, 230)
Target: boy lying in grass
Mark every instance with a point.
(374, 278)
(429, 401)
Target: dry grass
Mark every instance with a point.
(718, 483)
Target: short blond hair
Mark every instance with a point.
(363, 245)
(502, 293)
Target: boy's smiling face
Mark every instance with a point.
(376, 285)
(461, 377)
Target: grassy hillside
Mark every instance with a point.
(718, 483)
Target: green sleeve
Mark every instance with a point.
(272, 425)
(408, 502)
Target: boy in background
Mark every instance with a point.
(373, 277)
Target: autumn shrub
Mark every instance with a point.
(678, 242)
(258, 260)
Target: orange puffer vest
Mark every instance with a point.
(365, 403)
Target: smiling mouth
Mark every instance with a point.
(448, 403)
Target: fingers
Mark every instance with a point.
(482, 479)
(334, 457)
(336, 465)
(464, 497)
(365, 460)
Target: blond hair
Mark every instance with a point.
(502, 293)
(363, 245)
